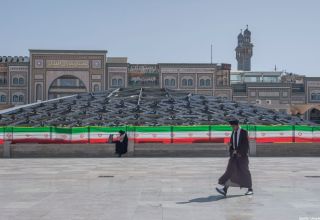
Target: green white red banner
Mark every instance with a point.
(160, 134)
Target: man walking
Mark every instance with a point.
(237, 173)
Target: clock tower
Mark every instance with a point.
(244, 50)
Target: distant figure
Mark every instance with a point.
(237, 173)
(121, 144)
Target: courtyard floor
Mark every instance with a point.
(156, 188)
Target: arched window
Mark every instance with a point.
(64, 85)
(315, 115)
(3, 98)
(166, 82)
(15, 98)
(114, 82)
(184, 82)
(38, 92)
(207, 82)
(190, 82)
(21, 98)
(21, 81)
(201, 82)
(15, 81)
(173, 82)
(315, 95)
(96, 88)
(119, 82)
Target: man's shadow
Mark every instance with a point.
(209, 199)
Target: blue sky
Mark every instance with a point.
(284, 33)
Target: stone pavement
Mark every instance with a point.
(156, 188)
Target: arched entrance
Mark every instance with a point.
(315, 115)
(66, 85)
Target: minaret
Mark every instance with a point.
(244, 50)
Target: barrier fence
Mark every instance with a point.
(160, 134)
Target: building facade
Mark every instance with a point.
(275, 90)
(286, 92)
(116, 72)
(208, 79)
(14, 81)
(56, 73)
(198, 78)
(143, 75)
(312, 88)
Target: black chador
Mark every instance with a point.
(237, 173)
(121, 144)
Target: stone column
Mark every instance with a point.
(6, 149)
(131, 136)
(253, 147)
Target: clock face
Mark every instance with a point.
(96, 64)
(38, 63)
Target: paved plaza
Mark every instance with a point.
(156, 188)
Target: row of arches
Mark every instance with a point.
(187, 82)
(315, 95)
(169, 81)
(66, 82)
(116, 82)
(18, 81)
(15, 98)
(15, 81)
(64, 86)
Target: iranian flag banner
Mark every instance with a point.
(220, 133)
(2, 135)
(27, 135)
(144, 134)
(191, 134)
(80, 135)
(160, 134)
(61, 135)
(303, 133)
(316, 134)
(274, 134)
(101, 134)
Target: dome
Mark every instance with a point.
(246, 32)
(240, 36)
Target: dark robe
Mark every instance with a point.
(237, 172)
(122, 147)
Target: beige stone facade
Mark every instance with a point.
(56, 73)
(14, 79)
(207, 79)
(197, 78)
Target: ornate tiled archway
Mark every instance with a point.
(66, 85)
